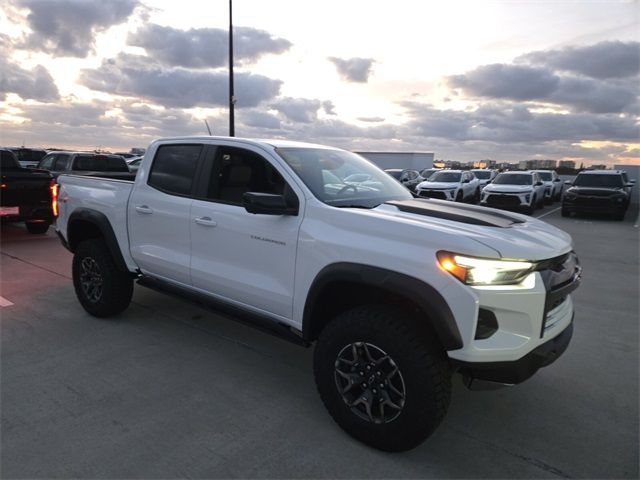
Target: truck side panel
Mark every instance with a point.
(106, 196)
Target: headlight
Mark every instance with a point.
(484, 271)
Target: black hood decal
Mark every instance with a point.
(470, 214)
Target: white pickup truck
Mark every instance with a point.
(397, 293)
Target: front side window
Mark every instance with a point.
(47, 162)
(237, 171)
(546, 176)
(61, 163)
(174, 168)
(324, 172)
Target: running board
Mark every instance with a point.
(231, 312)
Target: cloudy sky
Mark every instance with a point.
(468, 80)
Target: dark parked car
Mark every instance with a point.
(26, 195)
(28, 157)
(84, 163)
(597, 191)
(407, 177)
(427, 172)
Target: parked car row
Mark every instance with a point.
(525, 191)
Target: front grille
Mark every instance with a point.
(432, 194)
(504, 200)
(591, 200)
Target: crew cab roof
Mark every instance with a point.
(277, 143)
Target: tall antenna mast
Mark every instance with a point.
(232, 98)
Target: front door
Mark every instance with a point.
(244, 258)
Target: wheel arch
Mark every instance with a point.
(341, 286)
(86, 224)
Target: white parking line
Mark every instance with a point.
(4, 302)
(549, 213)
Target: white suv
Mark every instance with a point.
(552, 185)
(453, 185)
(517, 190)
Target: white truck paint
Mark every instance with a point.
(271, 264)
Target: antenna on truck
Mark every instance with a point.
(207, 124)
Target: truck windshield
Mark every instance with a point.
(447, 177)
(605, 181)
(513, 179)
(546, 176)
(482, 174)
(324, 172)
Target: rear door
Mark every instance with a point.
(159, 213)
(239, 257)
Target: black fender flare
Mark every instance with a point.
(101, 222)
(424, 295)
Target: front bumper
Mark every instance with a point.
(529, 324)
(594, 205)
(438, 194)
(505, 200)
(520, 370)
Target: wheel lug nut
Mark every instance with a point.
(382, 385)
(362, 374)
(379, 373)
(374, 391)
(368, 367)
(364, 385)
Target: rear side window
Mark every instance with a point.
(174, 168)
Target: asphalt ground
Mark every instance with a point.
(169, 390)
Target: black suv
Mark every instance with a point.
(598, 191)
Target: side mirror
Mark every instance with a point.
(630, 184)
(466, 180)
(568, 182)
(557, 180)
(538, 184)
(267, 204)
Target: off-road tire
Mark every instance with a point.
(419, 357)
(532, 208)
(37, 228)
(116, 286)
(476, 197)
(459, 196)
(619, 216)
(564, 212)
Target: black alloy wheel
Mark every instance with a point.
(91, 279)
(370, 382)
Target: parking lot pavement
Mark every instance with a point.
(171, 390)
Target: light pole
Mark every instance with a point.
(232, 98)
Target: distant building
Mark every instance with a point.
(413, 160)
(537, 164)
(485, 164)
(567, 164)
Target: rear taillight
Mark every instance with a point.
(54, 197)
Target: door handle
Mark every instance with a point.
(205, 221)
(143, 209)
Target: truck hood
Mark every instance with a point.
(508, 188)
(438, 185)
(510, 235)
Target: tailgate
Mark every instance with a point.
(25, 192)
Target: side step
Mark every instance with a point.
(231, 312)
